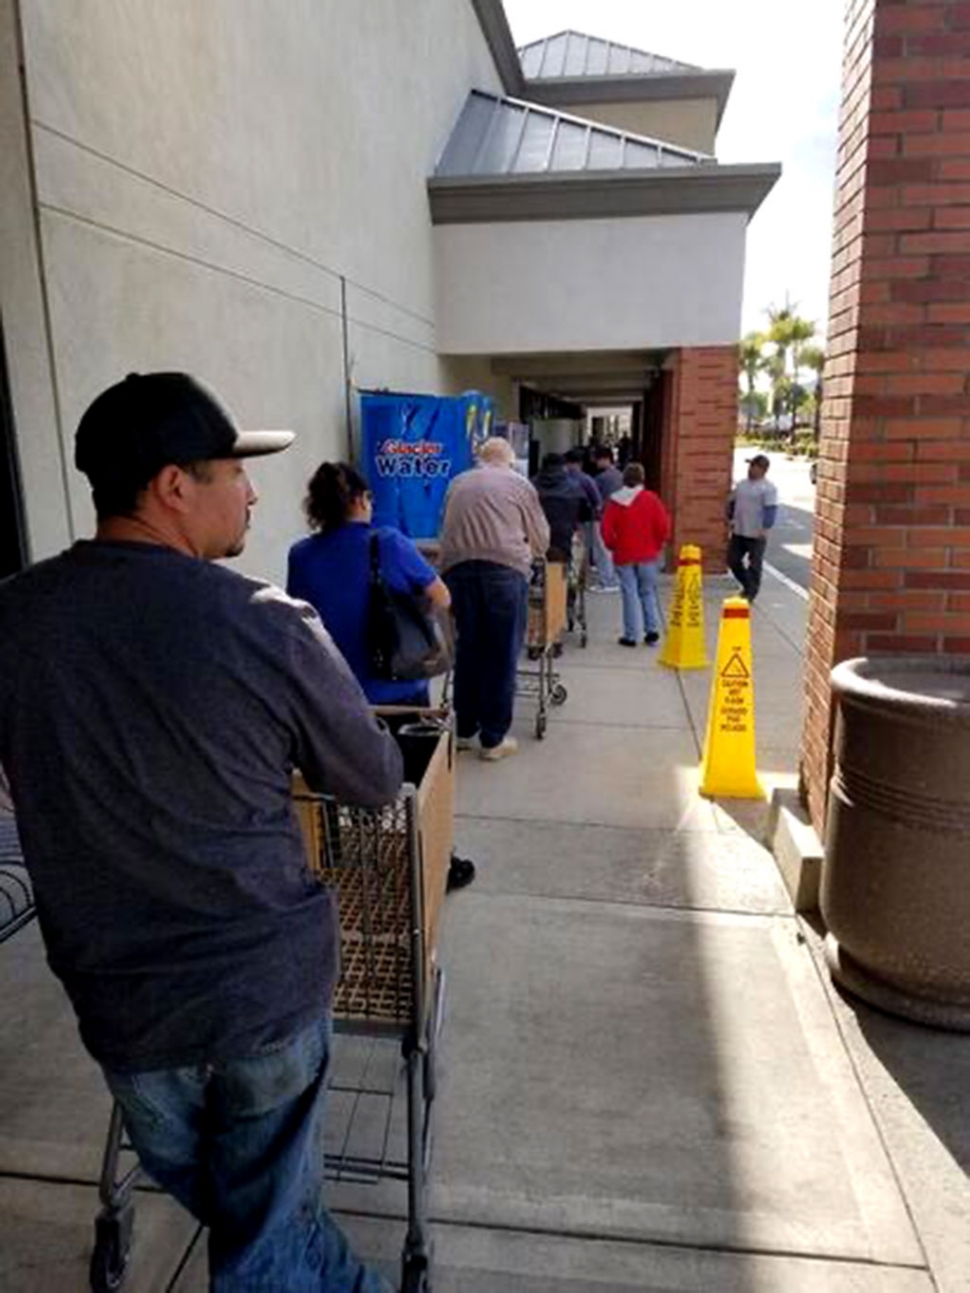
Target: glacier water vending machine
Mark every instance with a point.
(412, 446)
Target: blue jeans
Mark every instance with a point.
(638, 584)
(490, 604)
(239, 1144)
(605, 570)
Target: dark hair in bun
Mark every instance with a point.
(332, 492)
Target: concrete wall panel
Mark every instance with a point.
(208, 171)
(651, 281)
(275, 359)
(23, 313)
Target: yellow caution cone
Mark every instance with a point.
(683, 646)
(728, 768)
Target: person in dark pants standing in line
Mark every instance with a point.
(332, 571)
(493, 529)
(608, 480)
(752, 509)
(566, 506)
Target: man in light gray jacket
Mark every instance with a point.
(752, 509)
(494, 528)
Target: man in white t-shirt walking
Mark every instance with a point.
(751, 510)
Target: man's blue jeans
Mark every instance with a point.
(638, 584)
(605, 570)
(490, 603)
(239, 1144)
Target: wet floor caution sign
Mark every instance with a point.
(683, 646)
(728, 767)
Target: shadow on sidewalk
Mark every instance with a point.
(931, 1068)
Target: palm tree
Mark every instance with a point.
(813, 358)
(751, 361)
(788, 332)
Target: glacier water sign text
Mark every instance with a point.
(413, 458)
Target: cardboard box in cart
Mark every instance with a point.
(374, 858)
(547, 605)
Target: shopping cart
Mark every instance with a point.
(546, 625)
(389, 867)
(577, 581)
(16, 896)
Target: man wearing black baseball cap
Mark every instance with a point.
(752, 508)
(153, 705)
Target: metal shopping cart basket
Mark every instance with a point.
(16, 896)
(389, 867)
(546, 625)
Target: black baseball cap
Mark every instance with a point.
(761, 460)
(142, 424)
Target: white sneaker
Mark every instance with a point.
(492, 754)
(464, 742)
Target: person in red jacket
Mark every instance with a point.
(635, 528)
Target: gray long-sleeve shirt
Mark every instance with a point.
(152, 708)
(493, 514)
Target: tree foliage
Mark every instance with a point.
(784, 356)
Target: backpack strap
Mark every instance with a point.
(375, 558)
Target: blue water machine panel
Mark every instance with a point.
(412, 446)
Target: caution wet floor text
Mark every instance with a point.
(683, 646)
(728, 767)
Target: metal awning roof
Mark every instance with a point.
(496, 136)
(573, 54)
(571, 69)
(511, 160)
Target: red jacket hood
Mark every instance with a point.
(635, 526)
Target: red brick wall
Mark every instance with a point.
(892, 558)
(701, 418)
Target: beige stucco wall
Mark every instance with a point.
(641, 282)
(207, 171)
(474, 373)
(692, 123)
(22, 311)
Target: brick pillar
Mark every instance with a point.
(700, 422)
(892, 550)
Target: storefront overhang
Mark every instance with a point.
(590, 195)
(510, 159)
(576, 92)
(597, 377)
(572, 69)
(528, 286)
(553, 232)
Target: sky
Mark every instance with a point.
(783, 108)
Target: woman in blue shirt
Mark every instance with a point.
(331, 571)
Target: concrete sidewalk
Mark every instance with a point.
(646, 1081)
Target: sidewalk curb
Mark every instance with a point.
(796, 848)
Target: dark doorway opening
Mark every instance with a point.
(13, 534)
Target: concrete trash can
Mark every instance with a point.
(895, 890)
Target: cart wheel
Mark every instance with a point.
(416, 1276)
(541, 723)
(112, 1248)
(559, 695)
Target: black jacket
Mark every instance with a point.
(565, 506)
